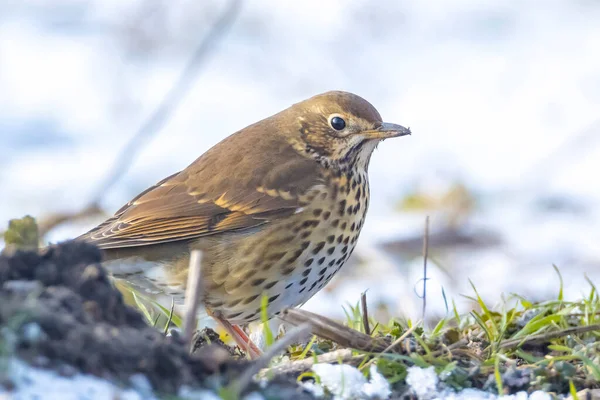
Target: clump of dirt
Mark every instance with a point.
(60, 308)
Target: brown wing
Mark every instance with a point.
(245, 181)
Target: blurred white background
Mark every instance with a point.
(503, 98)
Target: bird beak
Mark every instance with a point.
(386, 131)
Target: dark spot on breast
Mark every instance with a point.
(306, 272)
(233, 303)
(293, 258)
(257, 282)
(288, 270)
(356, 208)
(332, 262)
(321, 272)
(321, 260)
(270, 285)
(283, 240)
(317, 212)
(289, 285)
(335, 223)
(276, 256)
(312, 286)
(330, 239)
(345, 249)
(349, 210)
(318, 247)
(267, 266)
(304, 245)
(251, 315)
(330, 250)
(354, 183)
(303, 281)
(340, 238)
(346, 239)
(326, 215)
(250, 299)
(273, 298)
(342, 207)
(308, 262)
(343, 226)
(232, 316)
(357, 195)
(323, 195)
(305, 234)
(353, 226)
(310, 223)
(302, 290)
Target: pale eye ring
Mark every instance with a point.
(338, 123)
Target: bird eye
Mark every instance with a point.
(337, 123)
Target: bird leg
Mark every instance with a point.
(238, 335)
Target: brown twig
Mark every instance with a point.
(169, 103)
(295, 367)
(334, 331)
(51, 221)
(365, 313)
(153, 124)
(192, 295)
(290, 337)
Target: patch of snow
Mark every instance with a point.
(254, 396)
(378, 387)
(35, 383)
(423, 382)
(539, 395)
(347, 382)
(313, 388)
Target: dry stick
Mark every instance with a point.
(425, 255)
(344, 356)
(192, 295)
(334, 331)
(511, 343)
(170, 102)
(290, 337)
(153, 124)
(365, 314)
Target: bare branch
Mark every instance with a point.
(169, 103)
(192, 295)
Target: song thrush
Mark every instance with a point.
(276, 210)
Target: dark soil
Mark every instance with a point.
(86, 325)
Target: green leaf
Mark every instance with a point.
(264, 317)
(536, 324)
(560, 292)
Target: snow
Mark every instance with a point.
(424, 383)
(344, 382)
(36, 383)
